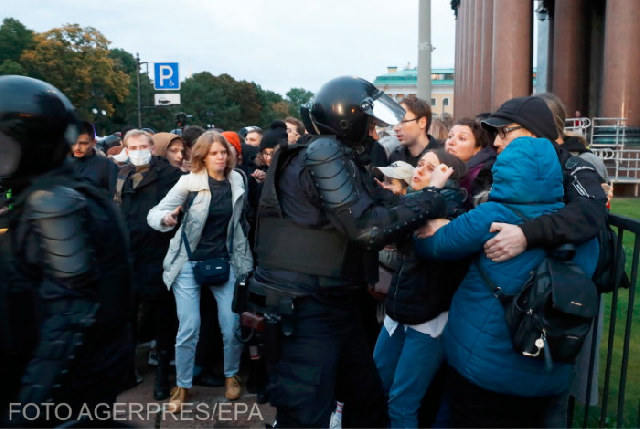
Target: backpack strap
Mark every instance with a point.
(491, 286)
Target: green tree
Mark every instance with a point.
(273, 106)
(76, 60)
(221, 101)
(14, 38)
(11, 67)
(297, 97)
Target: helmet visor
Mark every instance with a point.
(386, 111)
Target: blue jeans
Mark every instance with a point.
(407, 363)
(187, 294)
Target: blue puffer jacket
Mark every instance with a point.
(528, 177)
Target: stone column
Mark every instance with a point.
(485, 58)
(569, 62)
(456, 72)
(477, 58)
(469, 62)
(512, 50)
(462, 60)
(621, 78)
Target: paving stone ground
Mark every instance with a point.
(208, 408)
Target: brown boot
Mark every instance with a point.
(178, 397)
(233, 390)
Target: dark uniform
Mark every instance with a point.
(65, 336)
(318, 233)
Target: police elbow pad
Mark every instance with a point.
(58, 215)
(331, 172)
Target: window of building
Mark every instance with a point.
(445, 101)
(433, 102)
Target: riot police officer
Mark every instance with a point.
(318, 232)
(64, 291)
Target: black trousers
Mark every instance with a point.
(472, 406)
(162, 317)
(327, 358)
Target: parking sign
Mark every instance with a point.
(166, 76)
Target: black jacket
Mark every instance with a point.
(400, 153)
(100, 170)
(582, 217)
(148, 246)
(422, 288)
(50, 344)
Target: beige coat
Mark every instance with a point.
(239, 251)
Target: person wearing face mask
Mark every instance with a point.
(141, 184)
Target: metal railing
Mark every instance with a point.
(609, 139)
(615, 408)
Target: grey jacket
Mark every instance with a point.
(239, 251)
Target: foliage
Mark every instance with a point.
(11, 67)
(296, 98)
(76, 60)
(14, 38)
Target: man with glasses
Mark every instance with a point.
(584, 213)
(295, 129)
(412, 132)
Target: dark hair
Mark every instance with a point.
(87, 128)
(479, 134)
(460, 168)
(125, 130)
(418, 107)
(300, 129)
(190, 134)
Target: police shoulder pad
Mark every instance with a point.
(54, 202)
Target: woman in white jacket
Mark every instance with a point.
(215, 227)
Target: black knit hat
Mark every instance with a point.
(530, 112)
(276, 133)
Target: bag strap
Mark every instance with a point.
(190, 198)
(491, 286)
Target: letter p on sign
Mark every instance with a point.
(166, 76)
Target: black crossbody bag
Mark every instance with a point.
(210, 272)
(550, 317)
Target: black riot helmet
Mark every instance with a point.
(37, 127)
(345, 106)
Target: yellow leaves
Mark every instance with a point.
(76, 61)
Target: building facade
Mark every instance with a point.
(399, 84)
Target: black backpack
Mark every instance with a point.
(550, 317)
(611, 259)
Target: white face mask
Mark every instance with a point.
(140, 157)
(122, 157)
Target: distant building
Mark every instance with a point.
(403, 83)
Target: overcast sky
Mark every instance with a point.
(278, 44)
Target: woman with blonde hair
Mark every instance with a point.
(213, 197)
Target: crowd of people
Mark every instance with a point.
(325, 225)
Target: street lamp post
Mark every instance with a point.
(96, 114)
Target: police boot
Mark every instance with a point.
(179, 396)
(161, 386)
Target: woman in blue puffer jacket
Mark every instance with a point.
(490, 384)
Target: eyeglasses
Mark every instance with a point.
(503, 131)
(407, 120)
(291, 130)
